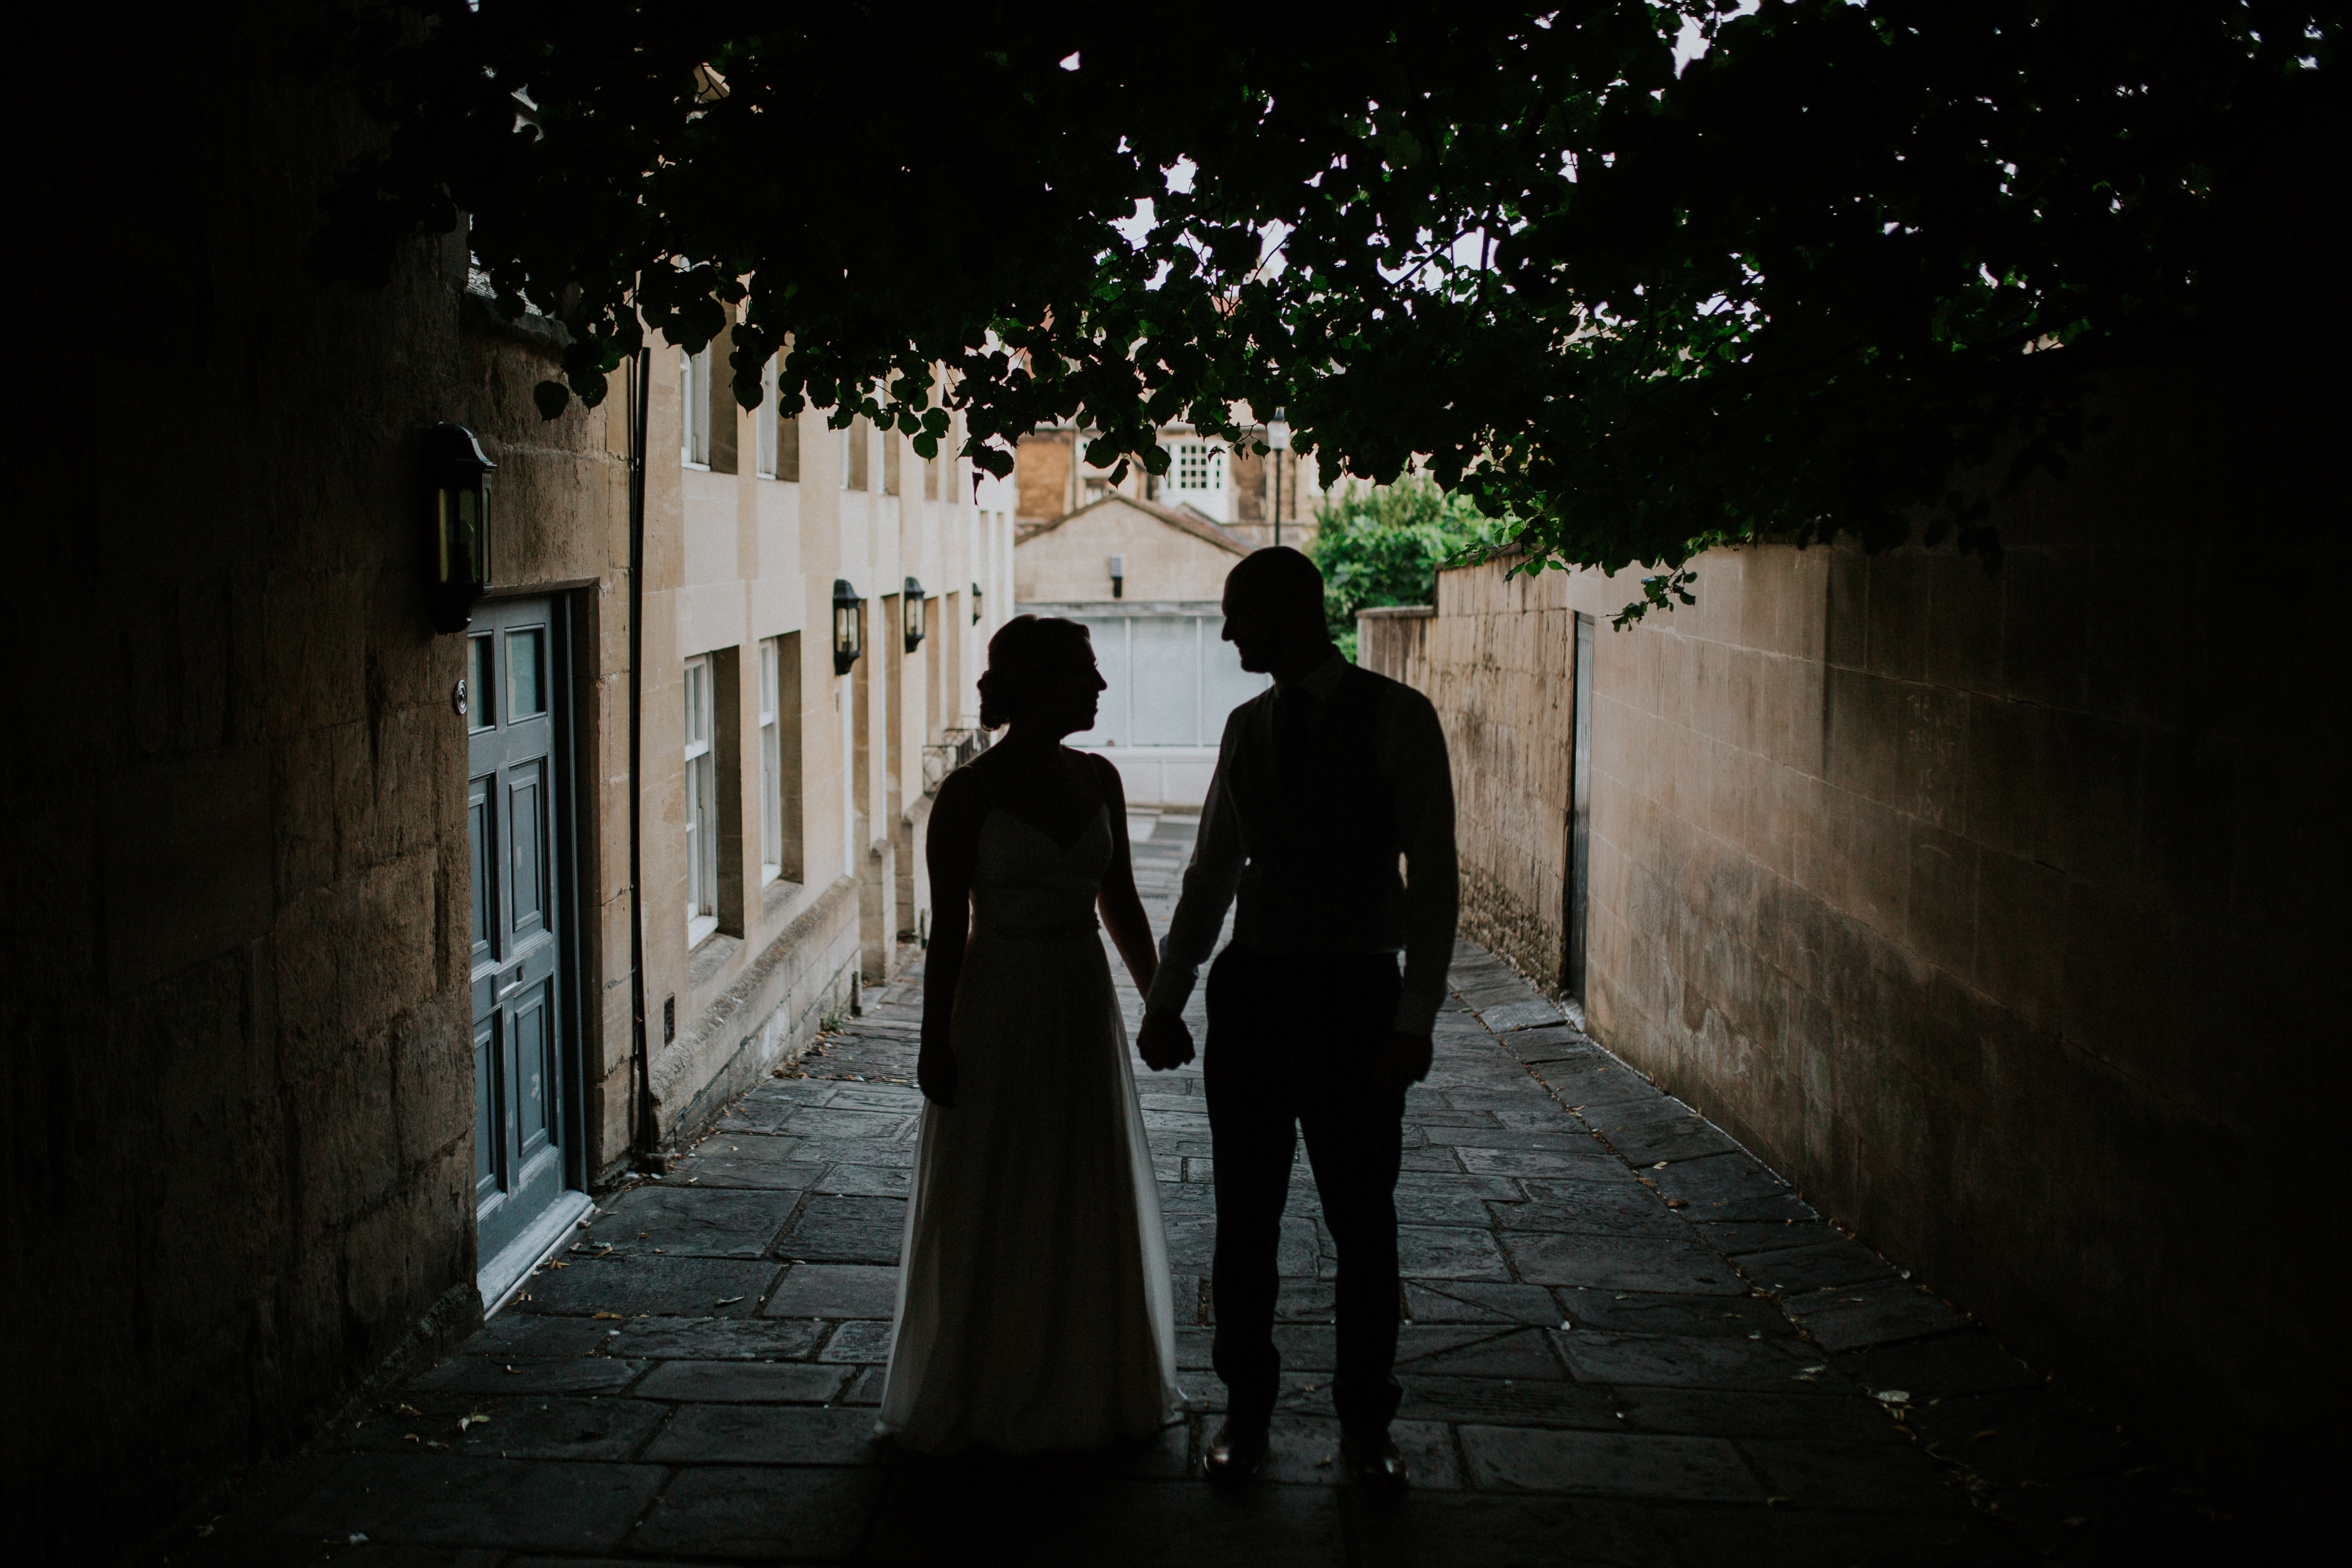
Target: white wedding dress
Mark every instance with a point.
(1035, 1307)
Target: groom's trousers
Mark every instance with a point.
(1291, 1042)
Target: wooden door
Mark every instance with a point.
(519, 840)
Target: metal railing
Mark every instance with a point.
(951, 751)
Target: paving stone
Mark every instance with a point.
(1525, 1015)
(865, 1181)
(759, 1148)
(1296, 1300)
(1890, 1474)
(1497, 1189)
(714, 1339)
(1655, 1312)
(1495, 1137)
(1444, 1252)
(882, 1097)
(1945, 1368)
(1522, 1356)
(677, 1287)
(1785, 1537)
(835, 1291)
(687, 1222)
(1730, 1187)
(744, 1382)
(761, 1513)
(1544, 1043)
(1732, 1412)
(1735, 1238)
(1612, 1464)
(1470, 1302)
(541, 1504)
(1521, 1402)
(1304, 1450)
(526, 1428)
(1624, 1360)
(578, 1374)
(759, 1175)
(1827, 1266)
(1042, 1514)
(1607, 1211)
(854, 1151)
(1622, 1263)
(866, 1388)
(847, 1230)
(1440, 1158)
(1848, 1319)
(1424, 1205)
(1544, 1163)
(512, 1334)
(861, 1341)
(831, 1123)
(1488, 1530)
(2033, 1434)
(1663, 1138)
(767, 1434)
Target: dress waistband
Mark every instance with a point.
(1050, 930)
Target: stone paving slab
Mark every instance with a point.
(1628, 1341)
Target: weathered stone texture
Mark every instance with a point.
(2000, 910)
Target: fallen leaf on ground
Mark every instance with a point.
(611, 1314)
(726, 1300)
(479, 1418)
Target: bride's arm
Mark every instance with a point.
(951, 847)
(1122, 906)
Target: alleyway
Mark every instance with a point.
(1628, 1343)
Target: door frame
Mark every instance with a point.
(566, 660)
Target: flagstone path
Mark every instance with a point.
(1627, 1341)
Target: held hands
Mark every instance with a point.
(1165, 1041)
(1401, 1059)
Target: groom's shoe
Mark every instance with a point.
(1372, 1460)
(1237, 1452)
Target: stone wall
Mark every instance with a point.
(240, 1166)
(1999, 910)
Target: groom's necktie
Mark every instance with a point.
(1294, 721)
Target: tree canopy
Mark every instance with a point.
(1382, 545)
(1786, 288)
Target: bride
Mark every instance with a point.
(1034, 1310)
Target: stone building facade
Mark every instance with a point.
(1997, 909)
(1243, 492)
(249, 821)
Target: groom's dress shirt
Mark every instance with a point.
(1319, 787)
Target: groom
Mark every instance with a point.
(1321, 784)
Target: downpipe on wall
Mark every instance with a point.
(641, 1117)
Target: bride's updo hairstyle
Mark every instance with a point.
(1023, 652)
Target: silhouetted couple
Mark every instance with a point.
(1036, 1311)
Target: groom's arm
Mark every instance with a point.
(1214, 872)
(1423, 780)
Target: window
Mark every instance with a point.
(891, 442)
(857, 448)
(1200, 467)
(769, 427)
(701, 806)
(771, 767)
(694, 409)
(788, 447)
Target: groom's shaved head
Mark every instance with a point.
(1280, 581)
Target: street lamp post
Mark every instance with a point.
(1278, 442)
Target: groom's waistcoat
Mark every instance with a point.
(1323, 846)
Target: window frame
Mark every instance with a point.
(764, 462)
(772, 762)
(701, 784)
(694, 410)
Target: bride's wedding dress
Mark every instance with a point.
(1035, 1307)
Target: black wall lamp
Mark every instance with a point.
(910, 615)
(1119, 577)
(848, 625)
(457, 524)
(975, 604)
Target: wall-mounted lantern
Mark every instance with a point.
(848, 625)
(1277, 441)
(910, 613)
(1119, 577)
(975, 604)
(458, 526)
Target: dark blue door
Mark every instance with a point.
(516, 838)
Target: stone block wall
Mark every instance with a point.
(1999, 910)
(237, 1062)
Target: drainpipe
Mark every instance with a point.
(640, 1061)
